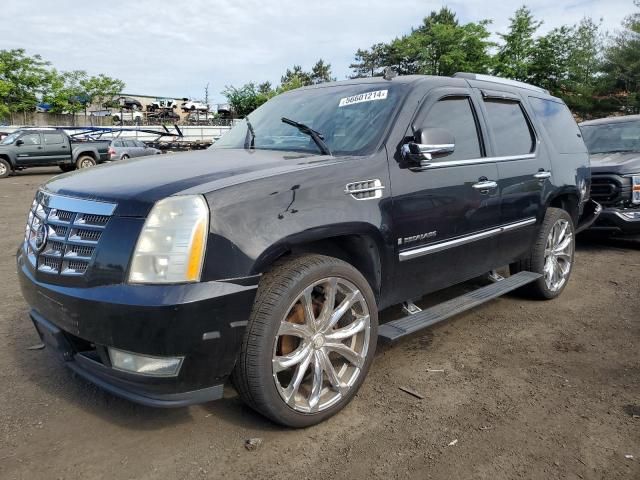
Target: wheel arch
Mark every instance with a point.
(567, 200)
(360, 246)
(86, 153)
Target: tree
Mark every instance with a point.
(23, 79)
(622, 61)
(440, 46)
(102, 89)
(290, 74)
(321, 72)
(65, 92)
(369, 63)
(515, 56)
(245, 99)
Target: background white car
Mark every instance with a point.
(191, 105)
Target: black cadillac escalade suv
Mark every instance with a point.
(267, 257)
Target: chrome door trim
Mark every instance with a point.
(474, 161)
(456, 242)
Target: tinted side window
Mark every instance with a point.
(31, 139)
(558, 122)
(53, 139)
(455, 115)
(510, 128)
(118, 143)
(139, 144)
(130, 143)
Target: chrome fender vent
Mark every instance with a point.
(365, 190)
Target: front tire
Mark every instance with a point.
(5, 168)
(85, 161)
(552, 255)
(310, 340)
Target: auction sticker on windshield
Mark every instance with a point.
(363, 97)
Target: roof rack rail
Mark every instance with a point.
(504, 81)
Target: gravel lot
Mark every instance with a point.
(527, 389)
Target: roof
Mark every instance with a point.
(608, 120)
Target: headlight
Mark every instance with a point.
(172, 243)
(635, 186)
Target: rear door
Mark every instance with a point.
(443, 221)
(56, 147)
(524, 169)
(30, 152)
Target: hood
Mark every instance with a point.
(622, 163)
(136, 184)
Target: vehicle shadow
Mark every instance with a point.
(590, 243)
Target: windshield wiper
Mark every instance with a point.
(252, 132)
(315, 136)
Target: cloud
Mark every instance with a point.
(170, 48)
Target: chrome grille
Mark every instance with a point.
(63, 233)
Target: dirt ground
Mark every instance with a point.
(514, 389)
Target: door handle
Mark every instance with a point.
(485, 185)
(542, 175)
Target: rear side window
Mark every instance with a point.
(52, 138)
(559, 124)
(455, 115)
(510, 128)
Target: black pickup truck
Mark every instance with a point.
(267, 257)
(47, 147)
(614, 145)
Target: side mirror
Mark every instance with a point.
(19, 142)
(428, 143)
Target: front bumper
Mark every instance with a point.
(203, 322)
(613, 220)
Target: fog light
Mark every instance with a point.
(145, 364)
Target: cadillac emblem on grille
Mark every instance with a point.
(63, 233)
(40, 239)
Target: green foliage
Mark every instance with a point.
(515, 56)
(622, 62)
(246, 99)
(22, 80)
(26, 80)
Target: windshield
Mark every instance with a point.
(9, 139)
(612, 137)
(351, 119)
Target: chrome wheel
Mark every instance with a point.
(321, 345)
(558, 255)
(3, 169)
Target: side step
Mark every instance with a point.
(392, 331)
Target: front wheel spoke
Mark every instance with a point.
(298, 376)
(350, 330)
(294, 330)
(349, 354)
(343, 308)
(562, 246)
(307, 303)
(332, 376)
(283, 362)
(330, 290)
(563, 231)
(316, 388)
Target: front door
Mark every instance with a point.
(446, 214)
(30, 151)
(56, 148)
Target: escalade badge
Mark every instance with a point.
(416, 238)
(41, 237)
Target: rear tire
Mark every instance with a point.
(285, 376)
(552, 256)
(5, 168)
(85, 161)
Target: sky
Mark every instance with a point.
(174, 48)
